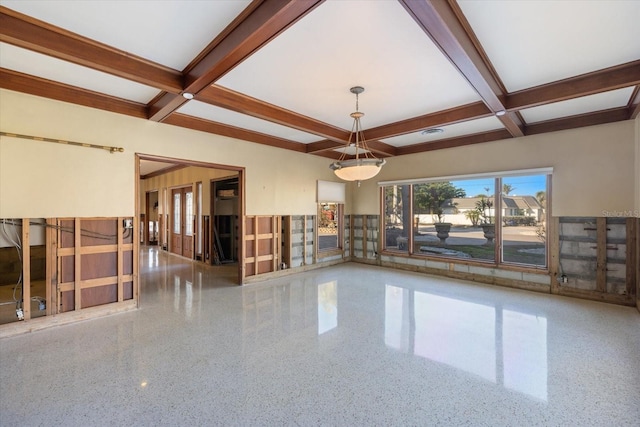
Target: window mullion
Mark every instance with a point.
(498, 221)
(411, 232)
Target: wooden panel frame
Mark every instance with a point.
(26, 270)
(632, 256)
(51, 273)
(287, 250)
(54, 255)
(120, 249)
(78, 265)
(254, 237)
(601, 255)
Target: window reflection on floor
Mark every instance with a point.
(188, 303)
(176, 293)
(524, 352)
(502, 346)
(327, 306)
(458, 333)
(396, 323)
(152, 259)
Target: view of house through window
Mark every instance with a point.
(329, 226)
(524, 213)
(460, 218)
(455, 218)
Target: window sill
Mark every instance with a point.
(478, 263)
(329, 253)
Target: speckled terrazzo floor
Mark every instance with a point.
(350, 345)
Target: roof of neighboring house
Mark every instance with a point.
(511, 202)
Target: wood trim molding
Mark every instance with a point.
(173, 168)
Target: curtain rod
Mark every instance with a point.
(62, 141)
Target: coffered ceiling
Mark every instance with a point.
(278, 72)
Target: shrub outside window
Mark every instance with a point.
(499, 219)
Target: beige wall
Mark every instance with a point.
(593, 167)
(39, 179)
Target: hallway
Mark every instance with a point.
(345, 345)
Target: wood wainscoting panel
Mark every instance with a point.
(262, 244)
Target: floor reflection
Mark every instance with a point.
(327, 306)
(524, 352)
(271, 313)
(502, 346)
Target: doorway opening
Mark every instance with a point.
(224, 209)
(191, 209)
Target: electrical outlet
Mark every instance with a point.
(42, 306)
(20, 314)
(564, 278)
(127, 223)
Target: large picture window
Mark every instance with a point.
(496, 219)
(455, 218)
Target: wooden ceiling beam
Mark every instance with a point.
(617, 77)
(333, 155)
(443, 25)
(464, 113)
(19, 82)
(266, 20)
(231, 100)
(381, 148)
(634, 103)
(321, 146)
(582, 120)
(336, 137)
(29, 33)
(479, 138)
(377, 147)
(208, 126)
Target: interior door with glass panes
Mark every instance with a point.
(182, 215)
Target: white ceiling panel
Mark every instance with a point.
(47, 67)
(452, 131)
(572, 107)
(544, 41)
(170, 32)
(311, 55)
(228, 117)
(311, 66)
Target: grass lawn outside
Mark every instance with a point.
(526, 253)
